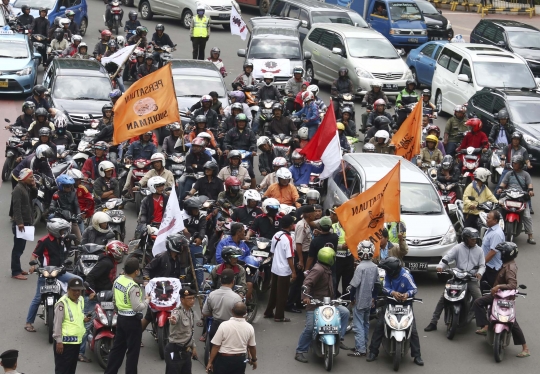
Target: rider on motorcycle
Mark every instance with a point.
(341, 85)
(267, 224)
(426, 96)
(309, 114)
(235, 169)
(430, 152)
(139, 56)
(168, 146)
(241, 138)
(112, 48)
(82, 52)
(379, 123)
(106, 186)
(479, 190)
(62, 136)
(148, 68)
(102, 46)
(270, 178)
(140, 34)
(407, 96)
(160, 38)
(40, 123)
(66, 199)
(346, 119)
(247, 212)
(84, 197)
(475, 138)
(230, 251)
(45, 136)
(58, 43)
(74, 47)
(314, 89)
(237, 99)
(206, 110)
(132, 23)
(99, 232)
(267, 156)
(501, 132)
(245, 78)
(140, 149)
(381, 141)
(515, 148)
(195, 231)
(233, 196)
(108, 14)
(37, 162)
(158, 170)
(301, 170)
(195, 160)
(266, 92)
(210, 185)
(153, 206)
(26, 19)
(450, 173)
(104, 122)
(283, 191)
(200, 126)
(235, 240)
(281, 124)
(27, 116)
(343, 142)
(454, 129)
(435, 131)
(379, 109)
(371, 97)
(90, 167)
(214, 57)
(38, 98)
(294, 86)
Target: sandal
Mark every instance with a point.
(83, 358)
(482, 332)
(19, 277)
(282, 320)
(523, 354)
(30, 328)
(531, 241)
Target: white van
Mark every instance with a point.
(462, 69)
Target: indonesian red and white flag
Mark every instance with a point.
(172, 223)
(324, 145)
(238, 26)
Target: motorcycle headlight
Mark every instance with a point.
(531, 141)
(408, 74)
(327, 313)
(404, 323)
(54, 273)
(449, 237)
(25, 71)
(503, 318)
(362, 73)
(392, 321)
(102, 316)
(45, 274)
(114, 319)
(448, 25)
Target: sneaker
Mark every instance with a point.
(356, 353)
(300, 357)
(431, 327)
(371, 357)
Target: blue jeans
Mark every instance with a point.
(81, 226)
(89, 306)
(18, 248)
(451, 148)
(361, 328)
(307, 335)
(256, 120)
(36, 301)
(197, 258)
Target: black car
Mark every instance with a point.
(438, 27)
(523, 107)
(517, 37)
(79, 88)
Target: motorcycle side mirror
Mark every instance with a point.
(472, 198)
(110, 235)
(33, 263)
(7, 120)
(444, 261)
(522, 286)
(86, 284)
(68, 262)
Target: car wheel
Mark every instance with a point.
(187, 18)
(83, 27)
(264, 7)
(438, 102)
(146, 11)
(310, 73)
(415, 78)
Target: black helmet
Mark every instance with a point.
(39, 90)
(212, 165)
(410, 81)
(105, 107)
(508, 251)
(381, 121)
(43, 9)
(470, 233)
(132, 15)
(160, 27)
(25, 7)
(44, 131)
(517, 135)
(41, 112)
(503, 114)
(343, 70)
(447, 162)
(192, 203)
(59, 34)
(140, 29)
(248, 65)
(201, 118)
(112, 43)
(277, 106)
(230, 251)
(28, 105)
(149, 56)
(391, 265)
(518, 159)
(347, 110)
(426, 92)
(176, 243)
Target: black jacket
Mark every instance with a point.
(143, 70)
(268, 93)
(24, 120)
(41, 26)
(198, 159)
(265, 161)
(66, 139)
(244, 140)
(161, 266)
(100, 48)
(350, 127)
(284, 125)
(168, 145)
(37, 166)
(212, 121)
(164, 40)
(373, 129)
(74, 28)
(91, 235)
(100, 187)
(242, 215)
(26, 20)
(456, 175)
(147, 209)
(131, 25)
(102, 274)
(209, 188)
(494, 133)
(106, 134)
(21, 199)
(341, 86)
(66, 201)
(196, 226)
(374, 114)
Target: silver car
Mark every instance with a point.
(430, 233)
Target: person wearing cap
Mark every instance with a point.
(389, 249)
(181, 347)
(128, 298)
(8, 360)
(68, 328)
(23, 215)
(199, 32)
(283, 270)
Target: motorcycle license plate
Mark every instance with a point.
(412, 40)
(328, 330)
(260, 253)
(4, 84)
(40, 194)
(417, 266)
(54, 288)
(390, 86)
(504, 304)
(14, 139)
(107, 305)
(89, 257)
(224, 15)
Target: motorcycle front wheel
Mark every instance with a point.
(37, 215)
(252, 306)
(102, 348)
(510, 229)
(207, 348)
(397, 356)
(328, 357)
(163, 339)
(498, 346)
(7, 169)
(50, 323)
(451, 327)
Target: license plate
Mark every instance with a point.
(417, 266)
(435, 38)
(504, 304)
(54, 288)
(328, 330)
(107, 305)
(4, 84)
(89, 257)
(40, 194)
(14, 139)
(224, 15)
(260, 253)
(390, 86)
(412, 40)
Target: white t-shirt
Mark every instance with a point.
(282, 248)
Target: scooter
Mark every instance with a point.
(114, 208)
(456, 210)
(345, 100)
(86, 257)
(176, 163)
(484, 209)
(266, 114)
(471, 161)
(115, 20)
(140, 167)
(514, 205)
(85, 149)
(15, 147)
(497, 162)
(447, 194)
(165, 54)
(261, 251)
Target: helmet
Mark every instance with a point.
(56, 21)
(379, 102)
(391, 265)
(326, 256)
(205, 136)
(459, 108)
(42, 9)
(198, 141)
(307, 96)
(365, 250)
(58, 227)
(503, 114)
(263, 140)
(475, 123)
(381, 121)
(106, 107)
(251, 195)
(140, 30)
(470, 233)
(206, 98)
(234, 153)
(314, 89)
(101, 145)
(343, 70)
(368, 148)
(64, 21)
(132, 15)
(106, 33)
(115, 94)
(508, 251)
(283, 173)
(44, 131)
(116, 249)
(241, 117)
(28, 105)
(517, 135)
(41, 112)
(155, 182)
(160, 27)
(104, 166)
(60, 124)
(346, 110)
(279, 161)
(268, 76)
(426, 92)
(76, 38)
(436, 128)
(176, 243)
(26, 7)
(64, 180)
(44, 151)
(382, 134)
(298, 70)
(201, 118)
(376, 84)
(252, 261)
(200, 6)
(192, 203)
(238, 106)
(82, 45)
(447, 162)
(39, 90)
(313, 195)
(518, 159)
(112, 44)
(233, 183)
(238, 95)
(410, 81)
(297, 156)
(432, 138)
(174, 126)
(303, 133)
(149, 56)
(230, 251)
(482, 174)
(271, 203)
(75, 174)
(215, 50)
(340, 126)
(248, 65)
(212, 165)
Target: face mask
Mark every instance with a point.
(200, 12)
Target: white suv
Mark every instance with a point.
(464, 68)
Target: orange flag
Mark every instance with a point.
(409, 136)
(363, 217)
(148, 104)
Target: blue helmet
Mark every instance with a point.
(64, 180)
(115, 93)
(252, 262)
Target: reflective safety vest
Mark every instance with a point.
(121, 287)
(200, 27)
(73, 324)
(338, 230)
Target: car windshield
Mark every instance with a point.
(82, 88)
(188, 86)
(526, 40)
(358, 20)
(418, 198)
(371, 48)
(331, 17)
(13, 49)
(406, 11)
(500, 74)
(274, 48)
(36, 4)
(524, 112)
(426, 8)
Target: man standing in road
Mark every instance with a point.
(8, 360)
(492, 238)
(199, 31)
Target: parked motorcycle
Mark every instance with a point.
(15, 147)
(46, 187)
(115, 20)
(514, 203)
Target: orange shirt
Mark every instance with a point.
(285, 195)
(212, 141)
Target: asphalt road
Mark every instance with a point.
(275, 342)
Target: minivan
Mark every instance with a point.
(462, 69)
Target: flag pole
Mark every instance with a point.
(344, 175)
(123, 63)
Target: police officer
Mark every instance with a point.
(8, 360)
(199, 32)
(181, 347)
(68, 330)
(129, 301)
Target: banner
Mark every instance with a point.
(409, 136)
(363, 217)
(238, 26)
(278, 67)
(148, 104)
(120, 56)
(172, 223)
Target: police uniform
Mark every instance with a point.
(199, 32)
(8, 357)
(129, 301)
(181, 343)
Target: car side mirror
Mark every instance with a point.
(401, 52)
(307, 55)
(337, 51)
(356, 24)
(501, 44)
(304, 24)
(241, 53)
(463, 78)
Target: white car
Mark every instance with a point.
(219, 11)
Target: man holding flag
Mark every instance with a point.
(113, 60)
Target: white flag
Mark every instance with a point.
(120, 56)
(172, 223)
(238, 26)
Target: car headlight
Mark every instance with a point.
(423, 32)
(362, 73)
(408, 74)
(449, 25)
(531, 141)
(394, 31)
(450, 236)
(25, 71)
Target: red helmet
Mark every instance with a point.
(232, 182)
(106, 33)
(379, 102)
(116, 249)
(198, 141)
(475, 123)
(433, 128)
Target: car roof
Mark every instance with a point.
(375, 166)
(511, 25)
(275, 27)
(512, 95)
(281, 22)
(195, 68)
(75, 66)
(350, 30)
(316, 5)
(484, 52)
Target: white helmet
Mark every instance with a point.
(303, 133)
(271, 202)
(459, 108)
(200, 6)
(268, 76)
(279, 161)
(314, 89)
(283, 173)
(251, 195)
(158, 157)
(365, 250)
(382, 134)
(121, 41)
(376, 84)
(307, 96)
(44, 151)
(263, 140)
(103, 166)
(100, 217)
(75, 174)
(154, 182)
(482, 174)
(206, 136)
(64, 21)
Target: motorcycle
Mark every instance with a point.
(430, 113)
(344, 100)
(139, 168)
(513, 206)
(484, 209)
(261, 251)
(15, 147)
(40, 44)
(281, 142)
(86, 257)
(247, 158)
(252, 305)
(401, 113)
(266, 115)
(471, 161)
(430, 168)
(115, 20)
(456, 210)
(177, 165)
(141, 246)
(497, 160)
(46, 187)
(165, 54)
(85, 149)
(447, 194)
